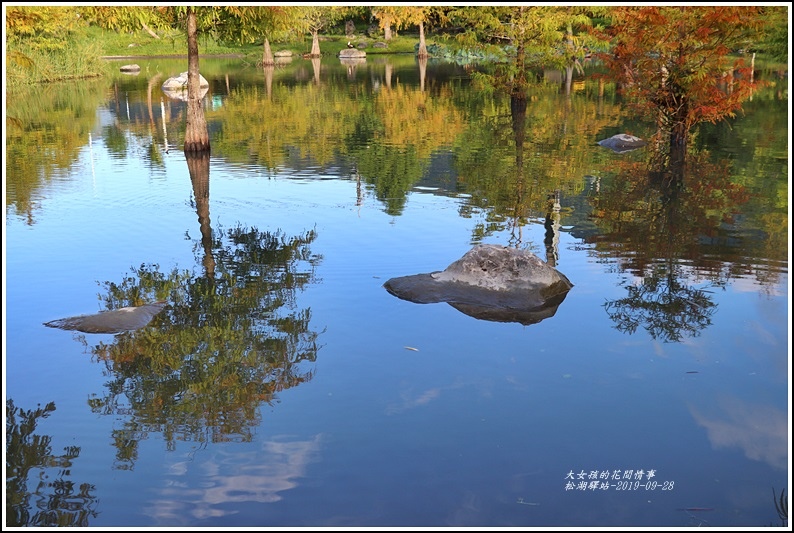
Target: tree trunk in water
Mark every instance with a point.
(267, 54)
(551, 237)
(422, 72)
(269, 80)
(422, 46)
(518, 114)
(316, 69)
(752, 68)
(197, 137)
(387, 74)
(315, 44)
(198, 165)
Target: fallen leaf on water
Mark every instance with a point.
(521, 501)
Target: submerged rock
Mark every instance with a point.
(116, 321)
(490, 282)
(622, 142)
(130, 69)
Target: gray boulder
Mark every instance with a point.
(180, 82)
(490, 282)
(130, 69)
(622, 142)
(350, 53)
(116, 321)
(176, 87)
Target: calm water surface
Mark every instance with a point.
(284, 386)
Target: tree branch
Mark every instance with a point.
(149, 30)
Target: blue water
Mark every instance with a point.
(415, 415)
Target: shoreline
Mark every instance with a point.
(169, 56)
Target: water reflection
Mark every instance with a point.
(658, 214)
(760, 431)
(226, 479)
(53, 502)
(235, 334)
(232, 338)
(199, 168)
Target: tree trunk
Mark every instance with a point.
(315, 44)
(387, 32)
(197, 137)
(422, 46)
(568, 79)
(752, 68)
(679, 127)
(149, 30)
(267, 54)
(520, 81)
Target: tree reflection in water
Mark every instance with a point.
(58, 502)
(231, 338)
(658, 216)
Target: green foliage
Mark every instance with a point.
(319, 17)
(129, 18)
(31, 64)
(531, 36)
(41, 28)
(775, 39)
(46, 44)
(400, 16)
(253, 24)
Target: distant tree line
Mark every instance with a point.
(679, 64)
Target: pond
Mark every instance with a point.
(282, 385)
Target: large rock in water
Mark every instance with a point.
(351, 53)
(116, 321)
(176, 87)
(622, 142)
(490, 282)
